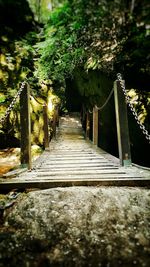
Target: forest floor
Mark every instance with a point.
(10, 158)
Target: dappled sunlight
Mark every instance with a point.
(41, 136)
(37, 119)
(136, 99)
(41, 121)
(36, 128)
(23, 75)
(37, 133)
(35, 105)
(3, 60)
(50, 107)
(52, 101)
(33, 116)
(2, 109)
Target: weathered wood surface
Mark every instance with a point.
(122, 125)
(71, 160)
(45, 127)
(25, 129)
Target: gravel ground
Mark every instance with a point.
(77, 226)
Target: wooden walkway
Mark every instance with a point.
(73, 161)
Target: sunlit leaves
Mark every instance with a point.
(2, 98)
(108, 34)
(141, 103)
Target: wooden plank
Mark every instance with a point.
(80, 172)
(72, 157)
(122, 125)
(48, 165)
(75, 155)
(41, 169)
(75, 161)
(70, 153)
(84, 160)
(61, 151)
(25, 127)
(7, 186)
(70, 176)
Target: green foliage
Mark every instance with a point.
(106, 35)
(103, 35)
(141, 103)
(60, 52)
(43, 8)
(16, 54)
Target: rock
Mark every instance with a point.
(78, 226)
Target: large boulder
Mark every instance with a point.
(78, 226)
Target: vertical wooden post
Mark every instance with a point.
(45, 127)
(25, 127)
(57, 115)
(95, 125)
(54, 124)
(82, 114)
(87, 133)
(122, 125)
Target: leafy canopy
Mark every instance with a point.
(96, 34)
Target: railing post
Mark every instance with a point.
(122, 125)
(45, 127)
(95, 125)
(54, 124)
(57, 115)
(87, 133)
(25, 127)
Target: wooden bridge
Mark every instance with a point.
(71, 160)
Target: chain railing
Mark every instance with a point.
(12, 104)
(105, 103)
(25, 123)
(133, 110)
(107, 100)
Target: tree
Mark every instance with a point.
(80, 33)
(43, 8)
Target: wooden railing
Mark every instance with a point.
(25, 126)
(121, 124)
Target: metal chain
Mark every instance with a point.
(142, 127)
(107, 100)
(10, 108)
